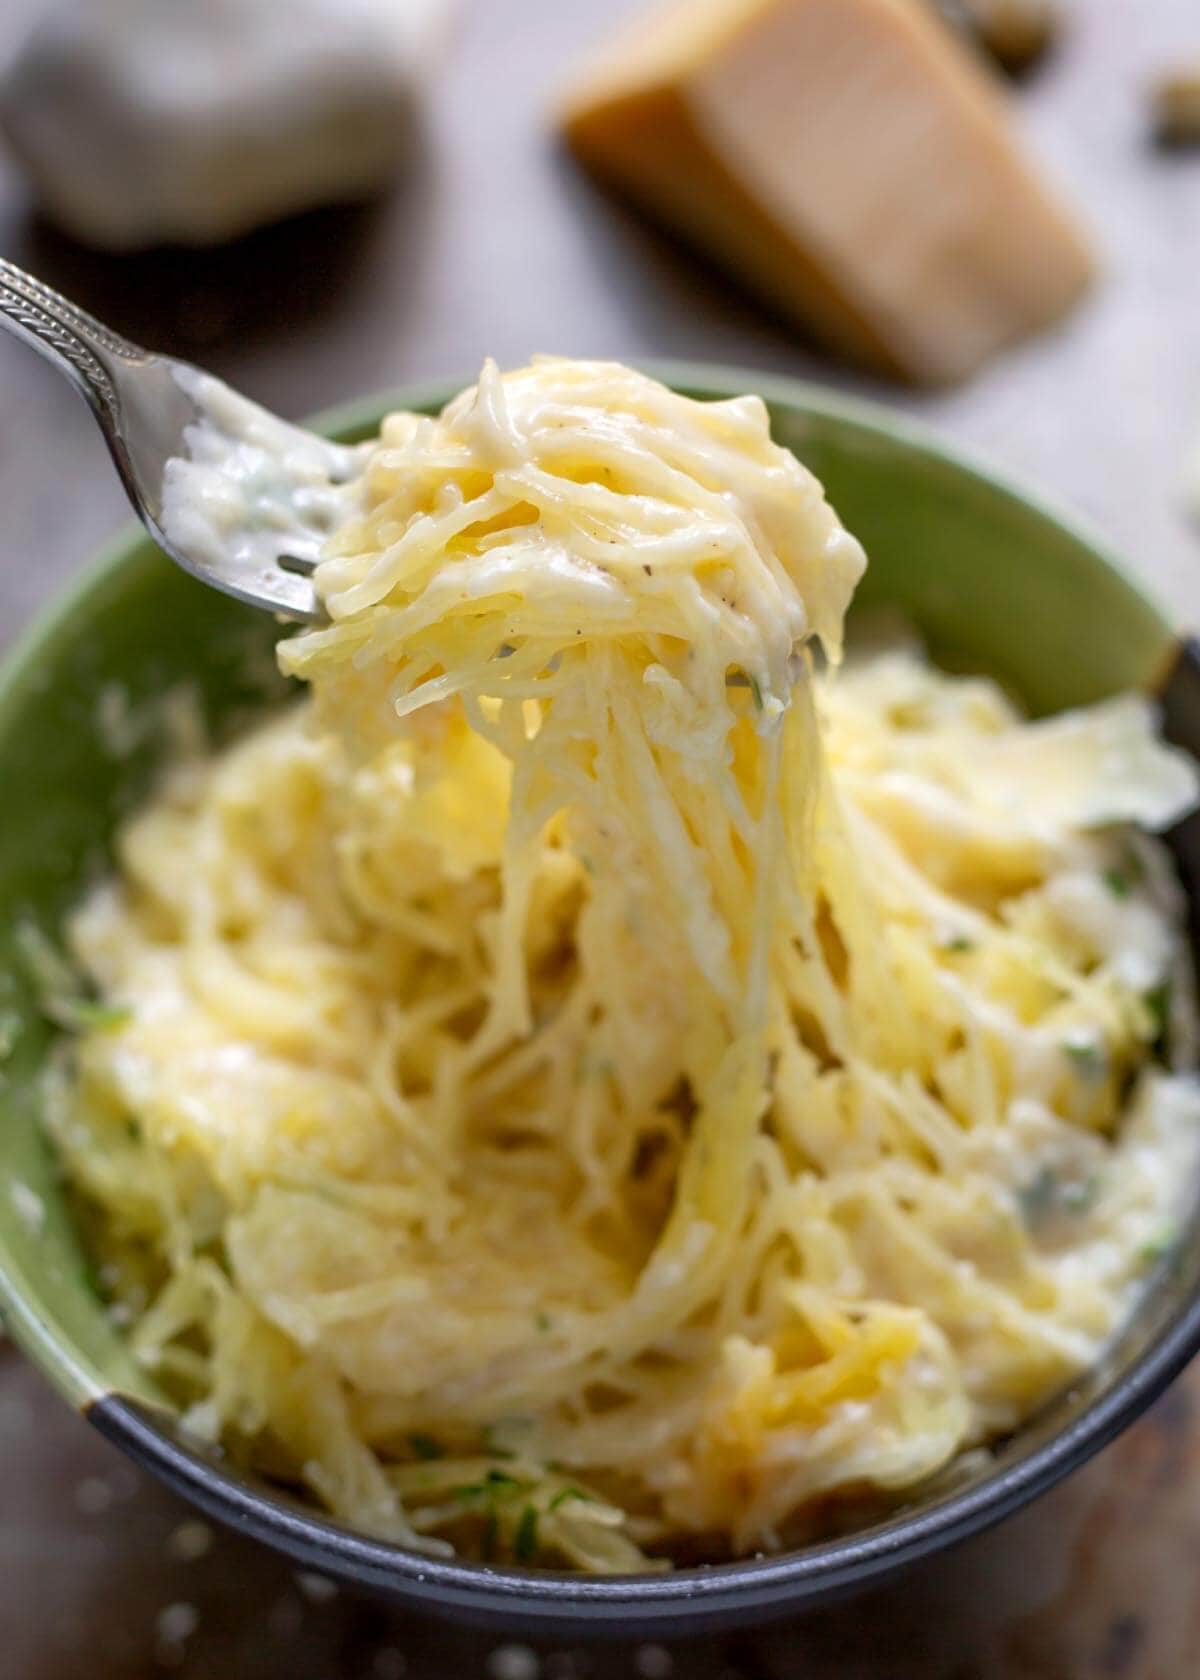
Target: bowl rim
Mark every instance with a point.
(690, 1598)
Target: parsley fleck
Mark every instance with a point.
(425, 1446)
(1157, 1248)
(1088, 1056)
(1157, 1002)
(525, 1542)
(958, 942)
(1080, 1195)
(1047, 1194)
(755, 690)
(561, 1497)
(61, 996)
(85, 1016)
(497, 1484)
(1036, 1199)
(1117, 882)
(543, 1322)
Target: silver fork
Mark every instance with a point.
(235, 495)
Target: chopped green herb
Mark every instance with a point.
(1080, 1195)
(1047, 1193)
(1157, 1002)
(495, 1447)
(1037, 1198)
(426, 1447)
(85, 1016)
(61, 995)
(525, 1541)
(472, 1493)
(496, 1484)
(755, 690)
(1157, 1248)
(958, 942)
(588, 863)
(1133, 868)
(494, 1491)
(1117, 882)
(543, 1322)
(1089, 1057)
(561, 1497)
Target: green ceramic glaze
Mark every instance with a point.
(996, 581)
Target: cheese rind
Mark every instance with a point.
(848, 159)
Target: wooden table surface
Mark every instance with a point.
(493, 245)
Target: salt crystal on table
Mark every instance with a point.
(318, 1589)
(513, 1662)
(191, 1540)
(93, 1495)
(174, 1624)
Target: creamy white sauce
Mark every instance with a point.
(253, 488)
(1088, 769)
(1146, 1193)
(1130, 934)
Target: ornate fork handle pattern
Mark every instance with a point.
(149, 408)
(66, 335)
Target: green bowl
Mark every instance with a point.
(995, 580)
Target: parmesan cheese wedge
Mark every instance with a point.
(850, 160)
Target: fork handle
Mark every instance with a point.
(77, 344)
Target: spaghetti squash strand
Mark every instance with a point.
(590, 1087)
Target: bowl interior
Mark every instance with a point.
(994, 581)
